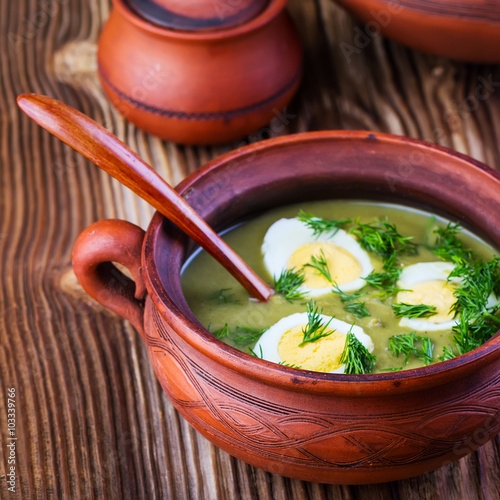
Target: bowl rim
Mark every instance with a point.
(462, 10)
(273, 8)
(191, 331)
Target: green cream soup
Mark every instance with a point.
(226, 310)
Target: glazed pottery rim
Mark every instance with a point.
(190, 330)
(273, 8)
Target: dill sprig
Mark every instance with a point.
(315, 329)
(448, 353)
(356, 357)
(257, 355)
(470, 332)
(252, 334)
(319, 225)
(347, 297)
(383, 239)
(410, 345)
(290, 365)
(358, 309)
(222, 332)
(402, 344)
(449, 247)
(288, 284)
(476, 320)
(321, 265)
(385, 282)
(413, 310)
(223, 297)
(479, 281)
(425, 352)
(355, 306)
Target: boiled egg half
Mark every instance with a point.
(290, 244)
(429, 283)
(281, 344)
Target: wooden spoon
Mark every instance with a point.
(109, 153)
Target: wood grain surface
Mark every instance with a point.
(91, 420)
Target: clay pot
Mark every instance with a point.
(467, 30)
(205, 86)
(313, 426)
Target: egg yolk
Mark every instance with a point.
(438, 293)
(323, 355)
(342, 265)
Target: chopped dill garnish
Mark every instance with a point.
(425, 352)
(319, 225)
(402, 344)
(384, 281)
(464, 341)
(391, 369)
(288, 284)
(358, 309)
(449, 247)
(223, 297)
(222, 332)
(479, 280)
(403, 310)
(252, 334)
(355, 306)
(290, 365)
(391, 264)
(315, 329)
(257, 355)
(471, 331)
(448, 353)
(321, 265)
(383, 239)
(410, 345)
(347, 297)
(356, 357)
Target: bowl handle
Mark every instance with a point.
(95, 250)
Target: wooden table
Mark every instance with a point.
(91, 420)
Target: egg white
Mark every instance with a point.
(269, 341)
(421, 272)
(286, 236)
(429, 271)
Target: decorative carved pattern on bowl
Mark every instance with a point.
(318, 438)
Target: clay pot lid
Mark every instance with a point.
(197, 15)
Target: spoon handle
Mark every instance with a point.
(105, 150)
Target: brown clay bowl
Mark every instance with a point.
(467, 30)
(200, 87)
(313, 426)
